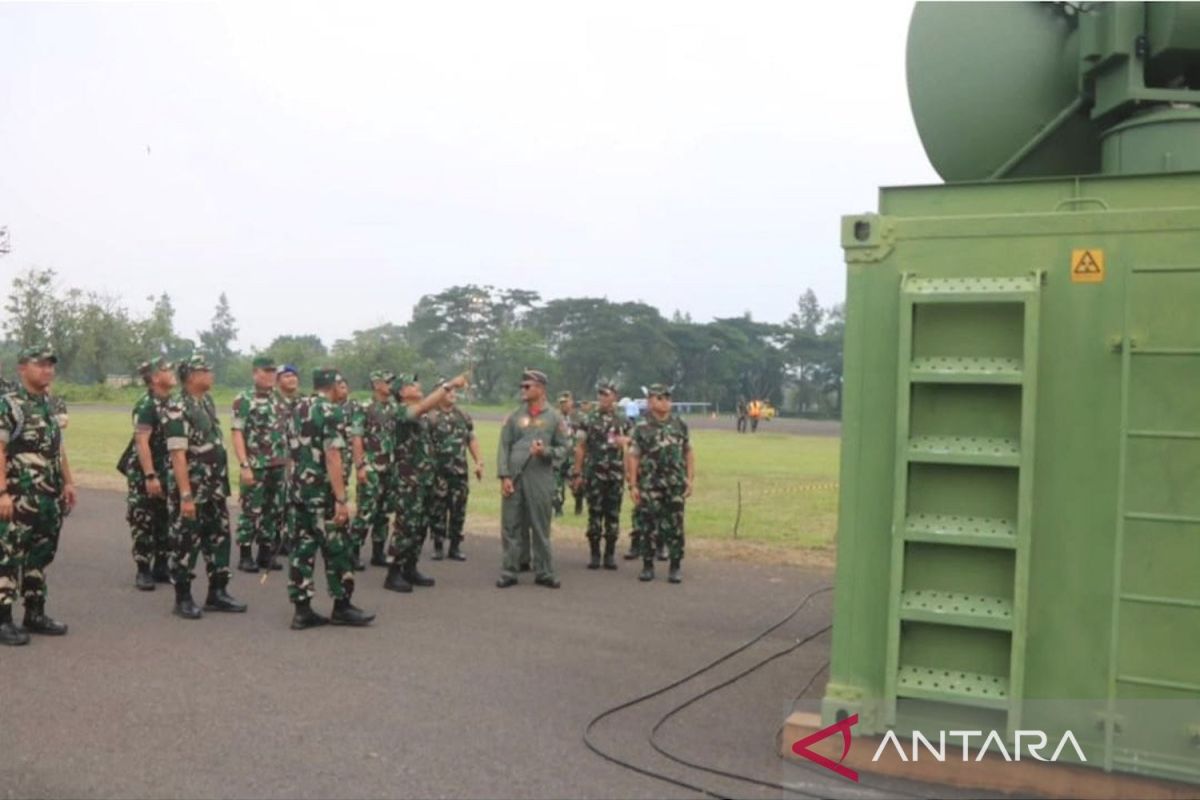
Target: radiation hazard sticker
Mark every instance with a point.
(1087, 266)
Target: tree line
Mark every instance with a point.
(795, 364)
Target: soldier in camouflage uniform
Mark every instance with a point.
(145, 465)
(599, 472)
(661, 472)
(38, 486)
(260, 434)
(562, 469)
(197, 490)
(453, 435)
(373, 440)
(414, 482)
(287, 384)
(348, 408)
(318, 491)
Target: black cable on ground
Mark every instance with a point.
(587, 732)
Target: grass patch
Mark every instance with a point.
(788, 491)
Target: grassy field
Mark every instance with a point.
(787, 483)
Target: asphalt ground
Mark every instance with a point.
(461, 690)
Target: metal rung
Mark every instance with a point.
(970, 290)
(1158, 683)
(1154, 600)
(969, 531)
(952, 608)
(1163, 435)
(1176, 518)
(972, 450)
(963, 369)
(953, 686)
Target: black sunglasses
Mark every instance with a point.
(526, 385)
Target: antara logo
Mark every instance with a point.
(1031, 742)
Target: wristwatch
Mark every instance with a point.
(244, 465)
(151, 476)
(341, 501)
(186, 497)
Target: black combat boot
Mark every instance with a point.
(456, 553)
(578, 505)
(414, 576)
(396, 582)
(10, 634)
(377, 559)
(305, 617)
(220, 600)
(267, 561)
(662, 550)
(525, 566)
(285, 547)
(184, 605)
(36, 620)
(346, 613)
(647, 570)
(145, 579)
(594, 563)
(438, 550)
(610, 551)
(246, 562)
(356, 562)
(634, 547)
(161, 570)
(673, 575)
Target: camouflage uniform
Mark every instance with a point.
(451, 431)
(346, 411)
(191, 424)
(287, 407)
(413, 473)
(32, 437)
(604, 471)
(563, 467)
(262, 417)
(661, 448)
(375, 423)
(149, 522)
(316, 426)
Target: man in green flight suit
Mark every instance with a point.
(532, 440)
(414, 481)
(661, 469)
(145, 465)
(260, 441)
(373, 441)
(198, 487)
(38, 488)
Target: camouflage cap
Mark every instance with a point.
(387, 376)
(153, 365)
(196, 362)
(659, 389)
(606, 386)
(404, 379)
(325, 377)
(536, 375)
(263, 362)
(564, 396)
(38, 352)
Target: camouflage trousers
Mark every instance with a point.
(374, 500)
(315, 531)
(448, 507)
(264, 508)
(562, 479)
(28, 543)
(604, 508)
(411, 522)
(149, 524)
(206, 534)
(659, 516)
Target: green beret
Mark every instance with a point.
(659, 388)
(325, 377)
(565, 396)
(535, 375)
(263, 362)
(38, 352)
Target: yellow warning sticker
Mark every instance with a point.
(1087, 266)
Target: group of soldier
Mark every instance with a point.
(297, 454)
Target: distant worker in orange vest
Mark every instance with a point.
(754, 410)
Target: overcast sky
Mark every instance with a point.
(328, 164)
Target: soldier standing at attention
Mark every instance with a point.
(533, 439)
(319, 495)
(562, 471)
(599, 472)
(287, 385)
(373, 441)
(260, 441)
(145, 465)
(414, 482)
(453, 433)
(198, 488)
(661, 471)
(38, 486)
(347, 408)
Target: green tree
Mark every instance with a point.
(305, 352)
(217, 341)
(31, 307)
